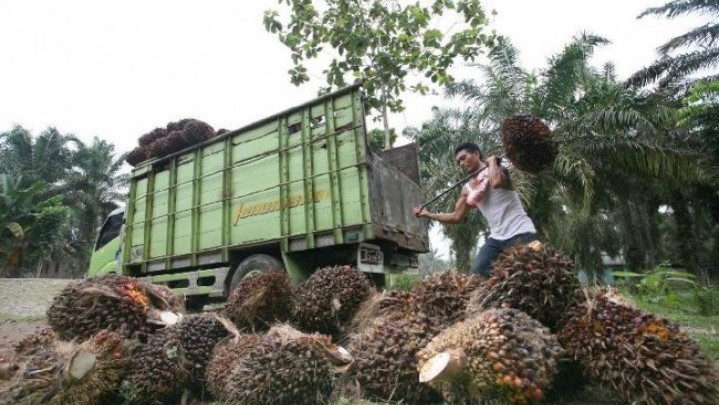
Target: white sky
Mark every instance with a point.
(117, 69)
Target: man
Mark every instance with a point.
(491, 191)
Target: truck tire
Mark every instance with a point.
(254, 264)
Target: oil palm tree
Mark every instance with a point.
(93, 187)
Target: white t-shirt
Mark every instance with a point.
(504, 212)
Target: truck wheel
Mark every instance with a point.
(195, 304)
(253, 265)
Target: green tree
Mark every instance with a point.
(380, 42)
(32, 226)
(697, 49)
(93, 187)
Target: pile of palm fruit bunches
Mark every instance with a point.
(175, 137)
(526, 334)
(516, 337)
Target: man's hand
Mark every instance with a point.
(418, 211)
(494, 160)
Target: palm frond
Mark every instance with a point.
(678, 7)
(705, 36)
(566, 70)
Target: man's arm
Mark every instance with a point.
(498, 175)
(460, 209)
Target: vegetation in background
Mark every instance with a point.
(54, 193)
(385, 44)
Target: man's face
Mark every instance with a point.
(468, 161)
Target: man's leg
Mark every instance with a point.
(486, 256)
(522, 238)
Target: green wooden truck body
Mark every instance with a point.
(301, 186)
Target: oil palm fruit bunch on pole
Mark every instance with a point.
(69, 373)
(444, 296)
(175, 358)
(113, 302)
(642, 358)
(261, 300)
(527, 142)
(329, 299)
(284, 366)
(536, 279)
(385, 367)
(497, 354)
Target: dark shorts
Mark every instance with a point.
(491, 250)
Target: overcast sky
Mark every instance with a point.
(117, 69)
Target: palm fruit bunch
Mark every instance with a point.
(196, 131)
(527, 141)
(152, 136)
(136, 156)
(68, 373)
(379, 304)
(113, 302)
(222, 131)
(157, 371)
(330, 298)
(35, 342)
(176, 142)
(284, 366)
(175, 358)
(536, 279)
(642, 358)
(259, 301)
(159, 148)
(385, 368)
(444, 295)
(497, 354)
(177, 125)
(198, 334)
(223, 357)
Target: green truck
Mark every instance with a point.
(297, 191)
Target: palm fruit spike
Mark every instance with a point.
(642, 358)
(223, 357)
(259, 301)
(196, 131)
(330, 298)
(285, 366)
(152, 136)
(136, 156)
(527, 141)
(68, 373)
(117, 303)
(499, 353)
(444, 295)
(538, 280)
(385, 368)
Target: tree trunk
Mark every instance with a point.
(385, 121)
(686, 237)
(633, 252)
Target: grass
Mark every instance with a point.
(702, 328)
